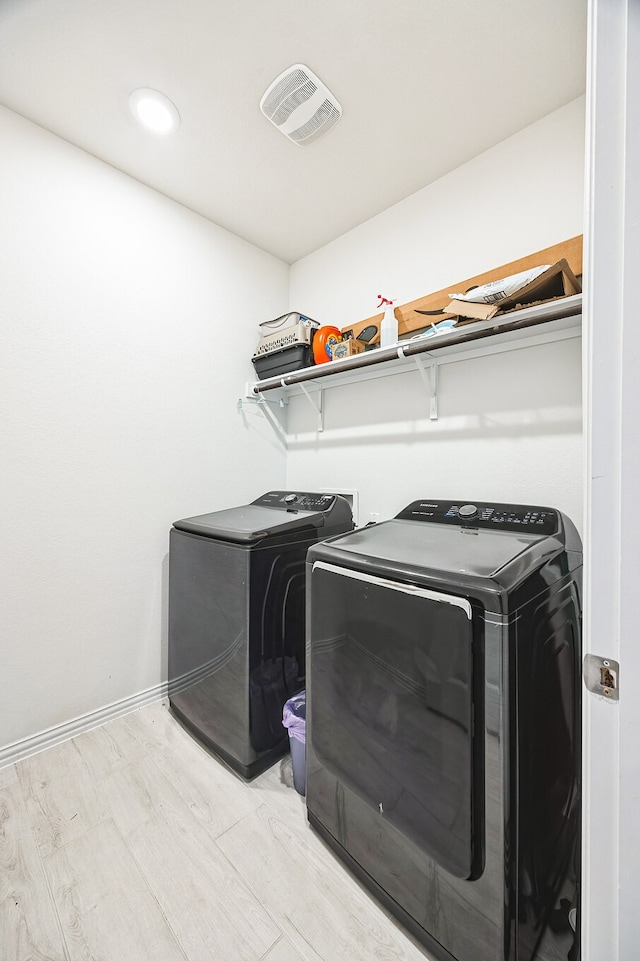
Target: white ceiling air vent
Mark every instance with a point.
(300, 105)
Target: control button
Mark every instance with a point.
(291, 498)
(467, 511)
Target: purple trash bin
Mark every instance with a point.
(294, 719)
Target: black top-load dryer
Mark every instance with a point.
(443, 722)
(236, 619)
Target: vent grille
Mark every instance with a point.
(281, 88)
(300, 105)
(323, 119)
(293, 101)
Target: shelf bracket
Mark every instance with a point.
(431, 383)
(262, 403)
(319, 407)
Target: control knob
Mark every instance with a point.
(291, 498)
(467, 511)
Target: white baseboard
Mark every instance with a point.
(62, 732)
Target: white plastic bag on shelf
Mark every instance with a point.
(497, 290)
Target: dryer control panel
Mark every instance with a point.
(296, 500)
(488, 516)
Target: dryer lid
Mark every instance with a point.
(434, 547)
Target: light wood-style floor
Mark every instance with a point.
(131, 843)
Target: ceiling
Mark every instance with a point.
(425, 85)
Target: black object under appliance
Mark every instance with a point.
(443, 722)
(236, 619)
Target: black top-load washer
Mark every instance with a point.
(236, 619)
(443, 722)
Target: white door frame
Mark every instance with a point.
(611, 769)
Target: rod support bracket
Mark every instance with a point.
(319, 407)
(431, 383)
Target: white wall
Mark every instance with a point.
(126, 326)
(510, 424)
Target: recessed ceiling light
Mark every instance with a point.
(154, 111)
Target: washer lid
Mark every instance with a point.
(250, 523)
(435, 547)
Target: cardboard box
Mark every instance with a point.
(469, 310)
(347, 348)
(367, 332)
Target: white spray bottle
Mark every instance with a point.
(389, 325)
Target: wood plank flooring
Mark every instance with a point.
(131, 843)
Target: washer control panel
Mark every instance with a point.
(500, 517)
(296, 500)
